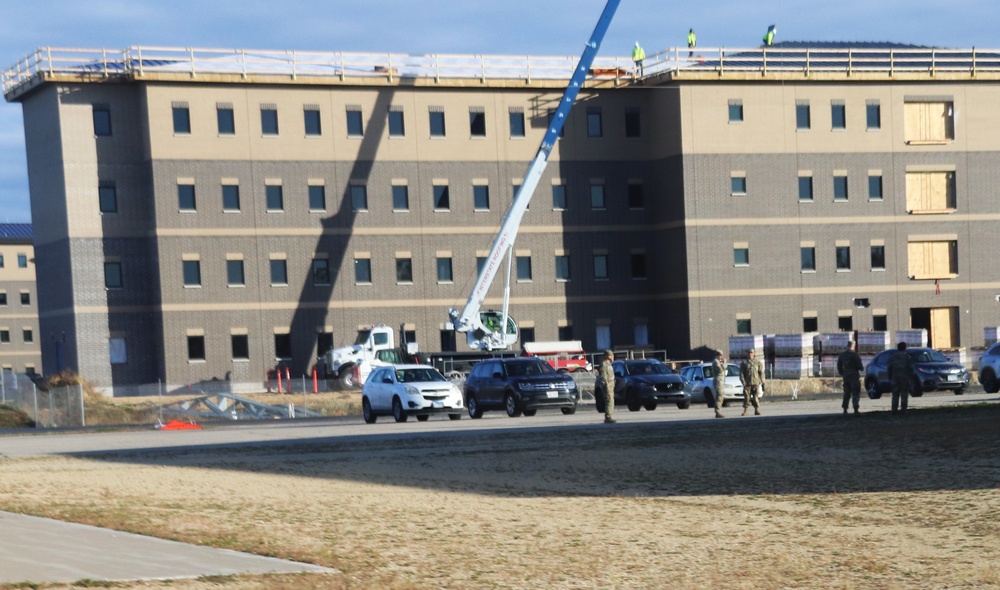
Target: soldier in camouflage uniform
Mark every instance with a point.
(752, 377)
(607, 373)
(901, 374)
(719, 381)
(850, 367)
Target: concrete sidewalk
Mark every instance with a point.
(43, 550)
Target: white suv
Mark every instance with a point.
(989, 369)
(409, 390)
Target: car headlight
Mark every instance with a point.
(412, 391)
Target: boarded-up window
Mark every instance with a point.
(929, 122)
(932, 260)
(930, 191)
(944, 327)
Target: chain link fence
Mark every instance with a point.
(53, 408)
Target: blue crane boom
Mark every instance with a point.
(489, 330)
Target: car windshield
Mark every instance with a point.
(529, 368)
(362, 337)
(418, 375)
(928, 356)
(732, 371)
(648, 368)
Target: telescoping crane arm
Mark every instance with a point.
(488, 330)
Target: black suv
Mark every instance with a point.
(519, 386)
(644, 384)
(931, 370)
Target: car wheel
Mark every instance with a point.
(871, 386)
(632, 401)
(474, 411)
(562, 371)
(397, 410)
(916, 388)
(684, 405)
(530, 413)
(454, 416)
(568, 411)
(989, 380)
(366, 410)
(725, 403)
(346, 378)
(510, 402)
(423, 418)
(650, 405)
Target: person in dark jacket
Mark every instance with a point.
(901, 374)
(850, 367)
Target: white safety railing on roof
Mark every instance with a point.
(139, 61)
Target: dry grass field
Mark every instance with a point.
(819, 503)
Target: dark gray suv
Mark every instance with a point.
(520, 386)
(931, 370)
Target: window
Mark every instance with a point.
(838, 115)
(317, 197)
(234, 273)
(269, 119)
(805, 188)
(27, 335)
(735, 111)
(230, 197)
(516, 118)
(738, 185)
(481, 197)
(283, 346)
(930, 192)
(397, 127)
(523, 268)
(932, 259)
(810, 324)
(4, 336)
(594, 123)
(597, 196)
(600, 266)
(404, 270)
(274, 197)
(442, 202)
(362, 271)
(196, 348)
(559, 196)
(874, 187)
(635, 196)
(1, 260)
(873, 115)
(843, 258)
(527, 335)
(400, 197)
(359, 197)
(637, 264)
(279, 271)
(743, 326)
(3, 298)
(324, 342)
(240, 346)
(25, 298)
(22, 261)
(741, 256)
(565, 333)
(312, 120)
(845, 323)
(562, 268)
(633, 123)
(878, 257)
(839, 188)
(880, 323)
(448, 343)
(225, 119)
(185, 197)
(113, 275)
(437, 121)
(477, 122)
(928, 122)
(102, 120)
(444, 270)
(808, 257)
(321, 271)
(192, 273)
(802, 122)
(182, 119)
(355, 127)
(480, 263)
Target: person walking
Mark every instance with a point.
(692, 42)
(638, 56)
(769, 36)
(752, 377)
(850, 367)
(719, 383)
(607, 374)
(901, 375)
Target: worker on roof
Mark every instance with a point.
(692, 42)
(638, 55)
(769, 36)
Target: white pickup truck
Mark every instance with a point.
(373, 347)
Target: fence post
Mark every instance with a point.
(34, 395)
(52, 411)
(3, 387)
(83, 416)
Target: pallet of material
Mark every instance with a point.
(793, 345)
(873, 342)
(912, 337)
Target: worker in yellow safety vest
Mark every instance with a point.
(638, 55)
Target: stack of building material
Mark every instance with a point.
(740, 346)
(793, 355)
(912, 338)
(872, 343)
(828, 349)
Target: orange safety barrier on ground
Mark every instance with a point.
(179, 425)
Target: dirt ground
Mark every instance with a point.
(820, 503)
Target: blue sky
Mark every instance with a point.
(510, 27)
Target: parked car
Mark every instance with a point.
(931, 371)
(989, 369)
(699, 382)
(518, 385)
(402, 391)
(644, 384)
